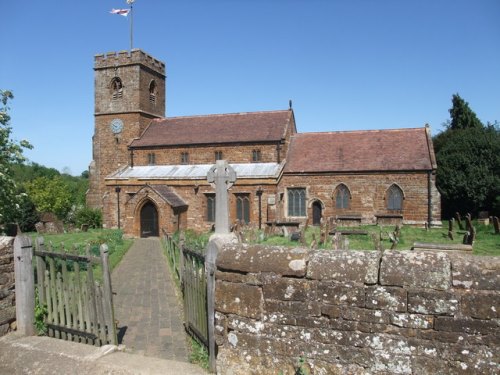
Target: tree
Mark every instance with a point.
(462, 117)
(468, 159)
(50, 195)
(10, 153)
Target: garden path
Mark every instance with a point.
(146, 305)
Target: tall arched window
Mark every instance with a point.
(243, 208)
(394, 198)
(116, 88)
(152, 92)
(342, 196)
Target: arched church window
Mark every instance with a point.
(117, 88)
(152, 92)
(342, 196)
(394, 198)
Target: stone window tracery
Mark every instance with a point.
(342, 197)
(152, 92)
(297, 202)
(116, 88)
(394, 198)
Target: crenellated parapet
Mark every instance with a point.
(121, 58)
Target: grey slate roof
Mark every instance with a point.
(195, 171)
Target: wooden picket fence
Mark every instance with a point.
(78, 308)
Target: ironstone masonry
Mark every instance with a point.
(149, 171)
(355, 312)
(7, 294)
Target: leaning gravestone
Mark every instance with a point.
(459, 220)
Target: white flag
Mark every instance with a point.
(121, 12)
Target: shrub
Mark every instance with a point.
(90, 216)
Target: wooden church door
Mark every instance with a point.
(149, 221)
(317, 213)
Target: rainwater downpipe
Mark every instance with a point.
(429, 197)
(117, 190)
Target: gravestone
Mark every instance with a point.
(221, 176)
(468, 223)
(496, 224)
(450, 229)
(459, 220)
(483, 218)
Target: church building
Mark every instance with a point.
(149, 172)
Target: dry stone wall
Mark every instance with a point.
(356, 312)
(7, 295)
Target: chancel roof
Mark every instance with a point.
(361, 151)
(216, 129)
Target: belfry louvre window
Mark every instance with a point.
(210, 207)
(184, 157)
(116, 88)
(296, 202)
(218, 155)
(243, 208)
(256, 156)
(394, 198)
(151, 158)
(152, 92)
(342, 197)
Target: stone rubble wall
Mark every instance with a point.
(7, 293)
(356, 312)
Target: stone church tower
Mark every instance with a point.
(129, 93)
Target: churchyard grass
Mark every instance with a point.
(486, 243)
(117, 245)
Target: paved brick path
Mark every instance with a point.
(146, 303)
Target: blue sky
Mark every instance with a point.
(347, 65)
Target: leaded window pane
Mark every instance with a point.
(211, 207)
(394, 198)
(342, 197)
(297, 202)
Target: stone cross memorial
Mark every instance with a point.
(221, 176)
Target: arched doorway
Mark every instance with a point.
(149, 220)
(317, 212)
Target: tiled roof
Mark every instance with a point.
(356, 151)
(216, 129)
(195, 171)
(170, 196)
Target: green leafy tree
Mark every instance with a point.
(468, 158)
(50, 195)
(11, 153)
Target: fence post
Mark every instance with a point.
(210, 268)
(25, 285)
(40, 271)
(108, 295)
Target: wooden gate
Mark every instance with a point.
(189, 269)
(78, 308)
(194, 290)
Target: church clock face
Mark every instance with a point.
(116, 126)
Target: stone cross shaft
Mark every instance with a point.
(222, 176)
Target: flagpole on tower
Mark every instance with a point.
(131, 2)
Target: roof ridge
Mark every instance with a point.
(358, 131)
(223, 114)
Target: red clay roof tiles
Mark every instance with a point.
(372, 150)
(216, 129)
